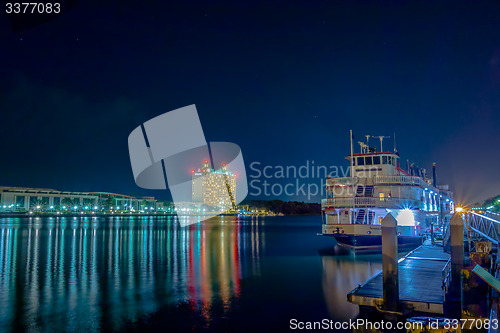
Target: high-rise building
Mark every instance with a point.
(215, 188)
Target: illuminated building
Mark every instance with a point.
(215, 188)
(42, 199)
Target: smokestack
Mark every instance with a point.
(408, 166)
(434, 181)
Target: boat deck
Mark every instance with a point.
(420, 282)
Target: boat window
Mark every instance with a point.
(389, 159)
(376, 159)
(384, 159)
(368, 160)
(353, 161)
(361, 161)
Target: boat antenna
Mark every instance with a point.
(364, 147)
(381, 137)
(395, 150)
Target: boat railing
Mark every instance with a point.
(342, 181)
(400, 180)
(360, 202)
(381, 180)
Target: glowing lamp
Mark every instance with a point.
(459, 209)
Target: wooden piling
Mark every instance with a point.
(390, 263)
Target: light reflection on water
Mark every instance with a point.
(93, 273)
(115, 273)
(336, 272)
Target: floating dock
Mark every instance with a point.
(422, 282)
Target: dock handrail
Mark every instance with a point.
(446, 272)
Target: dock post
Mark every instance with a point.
(457, 249)
(390, 263)
(454, 297)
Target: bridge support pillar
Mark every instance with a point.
(390, 263)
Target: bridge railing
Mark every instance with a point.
(485, 226)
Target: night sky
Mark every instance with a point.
(286, 81)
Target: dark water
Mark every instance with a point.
(152, 274)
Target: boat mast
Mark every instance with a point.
(352, 181)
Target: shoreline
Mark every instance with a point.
(82, 214)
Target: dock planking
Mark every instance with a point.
(420, 282)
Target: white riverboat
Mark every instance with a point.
(355, 206)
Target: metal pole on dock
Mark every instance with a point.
(457, 251)
(432, 233)
(390, 263)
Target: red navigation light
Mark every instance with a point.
(202, 170)
(192, 171)
(234, 175)
(223, 164)
(206, 161)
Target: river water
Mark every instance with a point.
(152, 273)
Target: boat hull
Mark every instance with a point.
(373, 243)
(362, 237)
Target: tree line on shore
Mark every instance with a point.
(284, 207)
(492, 204)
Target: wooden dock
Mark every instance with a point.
(420, 282)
